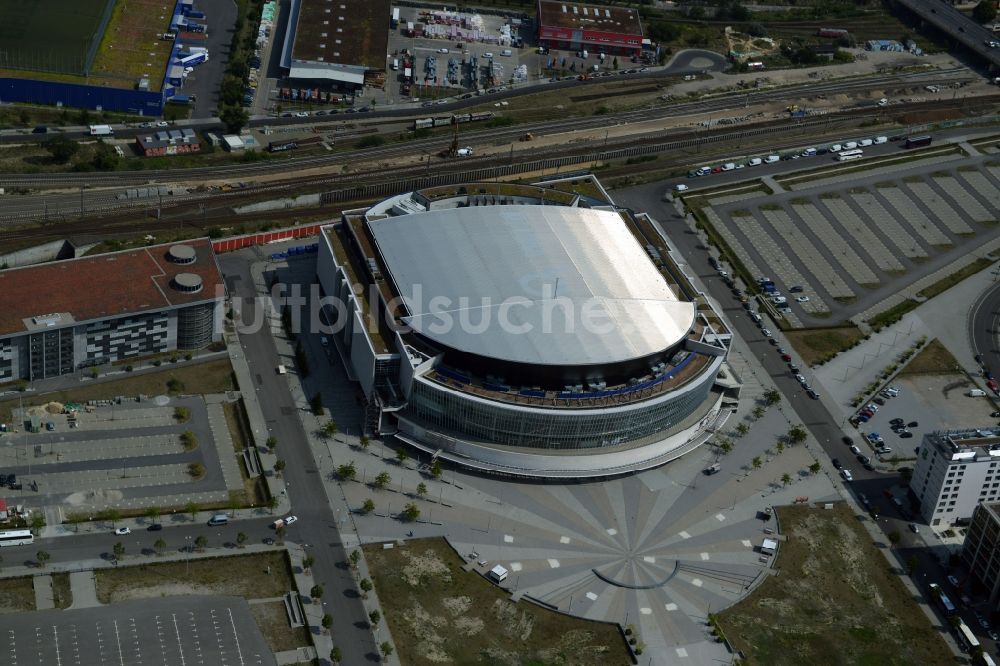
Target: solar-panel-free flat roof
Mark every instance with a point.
(546, 285)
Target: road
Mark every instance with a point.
(984, 325)
(316, 528)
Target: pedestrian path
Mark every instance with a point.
(44, 599)
(83, 586)
(223, 441)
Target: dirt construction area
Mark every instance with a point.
(441, 614)
(831, 601)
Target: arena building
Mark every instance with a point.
(338, 42)
(524, 331)
(577, 27)
(59, 317)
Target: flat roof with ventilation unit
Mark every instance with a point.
(580, 16)
(356, 32)
(105, 286)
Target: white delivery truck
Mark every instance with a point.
(101, 130)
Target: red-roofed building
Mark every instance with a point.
(58, 317)
(599, 29)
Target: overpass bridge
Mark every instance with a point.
(958, 26)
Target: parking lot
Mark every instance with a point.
(129, 455)
(852, 240)
(175, 631)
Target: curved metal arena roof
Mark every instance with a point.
(543, 285)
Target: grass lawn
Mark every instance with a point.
(834, 600)
(582, 186)
(131, 46)
(816, 344)
(272, 620)
(439, 613)
(17, 595)
(241, 575)
(934, 359)
(197, 378)
(62, 594)
(949, 281)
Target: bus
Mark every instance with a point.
(848, 155)
(943, 601)
(966, 635)
(917, 141)
(16, 538)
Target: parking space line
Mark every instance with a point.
(55, 642)
(236, 635)
(180, 647)
(118, 639)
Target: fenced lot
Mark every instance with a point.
(48, 35)
(854, 243)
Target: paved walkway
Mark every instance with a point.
(44, 599)
(83, 586)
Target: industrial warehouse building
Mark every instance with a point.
(473, 341)
(336, 43)
(578, 27)
(168, 142)
(59, 317)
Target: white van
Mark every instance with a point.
(754, 161)
(881, 139)
(771, 159)
(728, 166)
(704, 171)
(506, 52)
(218, 519)
(808, 152)
(865, 143)
(395, 64)
(850, 145)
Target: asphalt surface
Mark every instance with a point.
(958, 26)
(984, 327)
(206, 78)
(316, 528)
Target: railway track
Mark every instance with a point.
(493, 135)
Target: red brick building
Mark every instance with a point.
(574, 26)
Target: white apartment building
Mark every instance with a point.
(956, 471)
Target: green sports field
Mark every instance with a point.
(49, 35)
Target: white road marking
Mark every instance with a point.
(650, 559)
(554, 563)
(508, 538)
(646, 611)
(591, 596)
(55, 641)
(236, 635)
(118, 639)
(564, 539)
(719, 517)
(670, 607)
(515, 566)
(746, 543)
(684, 535)
(704, 556)
(681, 652)
(696, 582)
(612, 531)
(180, 648)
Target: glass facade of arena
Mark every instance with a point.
(511, 425)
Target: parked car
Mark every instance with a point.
(122, 531)
(155, 527)
(836, 463)
(914, 528)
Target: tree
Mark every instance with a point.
(355, 558)
(234, 118)
(271, 442)
(436, 469)
(912, 564)
(742, 429)
(196, 470)
(42, 556)
(193, 508)
(119, 550)
(327, 621)
(368, 506)
(758, 412)
(382, 480)
(797, 434)
(386, 648)
(401, 455)
(614, 63)
(62, 148)
(364, 442)
(771, 396)
(316, 404)
(37, 522)
(410, 512)
(815, 468)
(336, 655)
(330, 428)
(780, 446)
(153, 513)
(756, 462)
(421, 489)
(786, 478)
(105, 157)
(272, 503)
(366, 587)
(241, 539)
(316, 591)
(347, 471)
(201, 542)
(159, 545)
(375, 617)
(189, 440)
(894, 537)
(182, 414)
(307, 562)
(279, 466)
(726, 446)
(985, 11)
